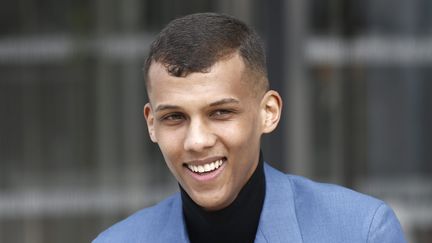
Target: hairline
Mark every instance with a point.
(248, 70)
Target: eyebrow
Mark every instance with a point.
(224, 101)
(166, 107)
(216, 103)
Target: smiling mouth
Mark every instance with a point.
(205, 168)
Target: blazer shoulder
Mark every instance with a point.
(312, 192)
(339, 214)
(140, 225)
(325, 193)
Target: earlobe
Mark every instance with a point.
(272, 108)
(148, 115)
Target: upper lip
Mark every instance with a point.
(204, 161)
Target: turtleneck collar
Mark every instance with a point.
(236, 223)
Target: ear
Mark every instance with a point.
(271, 108)
(149, 117)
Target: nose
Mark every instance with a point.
(198, 137)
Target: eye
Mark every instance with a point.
(221, 114)
(172, 118)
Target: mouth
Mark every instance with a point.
(205, 167)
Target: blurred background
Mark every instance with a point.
(74, 152)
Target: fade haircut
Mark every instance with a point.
(195, 42)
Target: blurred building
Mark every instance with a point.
(74, 153)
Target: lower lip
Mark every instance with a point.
(208, 176)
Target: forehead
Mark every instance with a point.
(227, 77)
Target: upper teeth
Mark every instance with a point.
(206, 167)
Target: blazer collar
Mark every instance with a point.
(278, 222)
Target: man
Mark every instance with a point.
(209, 105)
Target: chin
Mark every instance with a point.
(212, 204)
(212, 207)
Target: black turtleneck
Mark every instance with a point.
(236, 223)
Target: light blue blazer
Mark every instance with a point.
(295, 210)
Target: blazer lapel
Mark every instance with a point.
(278, 222)
(175, 228)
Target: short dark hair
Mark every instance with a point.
(195, 42)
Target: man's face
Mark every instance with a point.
(208, 127)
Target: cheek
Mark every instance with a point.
(170, 152)
(169, 142)
(241, 134)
